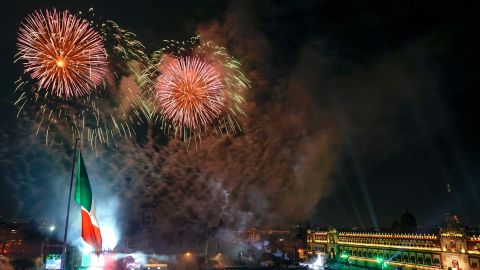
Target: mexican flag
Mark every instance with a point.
(84, 197)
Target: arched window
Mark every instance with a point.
(428, 261)
(412, 259)
(420, 260)
(436, 261)
(389, 255)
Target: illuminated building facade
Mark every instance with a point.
(451, 248)
(290, 242)
(20, 239)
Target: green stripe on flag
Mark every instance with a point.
(83, 191)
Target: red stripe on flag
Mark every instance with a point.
(90, 233)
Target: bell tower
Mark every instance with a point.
(332, 239)
(453, 240)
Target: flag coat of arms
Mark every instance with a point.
(84, 197)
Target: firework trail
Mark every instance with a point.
(62, 52)
(100, 116)
(198, 89)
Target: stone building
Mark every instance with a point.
(450, 248)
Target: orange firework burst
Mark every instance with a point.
(62, 52)
(189, 92)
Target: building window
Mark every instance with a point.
(412, 259)
(428, 261)
(148, 218)
(473, 263)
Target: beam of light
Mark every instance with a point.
(357, 168)
(360, 177)
(62, 53)
(351, 199)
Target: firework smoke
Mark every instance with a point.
(253, 178)
(39, 187)
(62, 53)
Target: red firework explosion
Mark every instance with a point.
(62, 52)
(190, 92)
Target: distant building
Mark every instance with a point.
(451, 248)
(290, 242)
(21, 242)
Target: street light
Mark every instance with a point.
(218, 260)
(188, 256)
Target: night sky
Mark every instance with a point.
(358, 110)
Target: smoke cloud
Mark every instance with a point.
(273, 173)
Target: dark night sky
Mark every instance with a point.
(399, 78)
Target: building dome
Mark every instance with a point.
(408, 221)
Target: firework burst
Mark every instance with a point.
(198, 87)
(99, 117)
(62, 52)
(189, 92)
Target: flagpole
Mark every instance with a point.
(64, 247)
